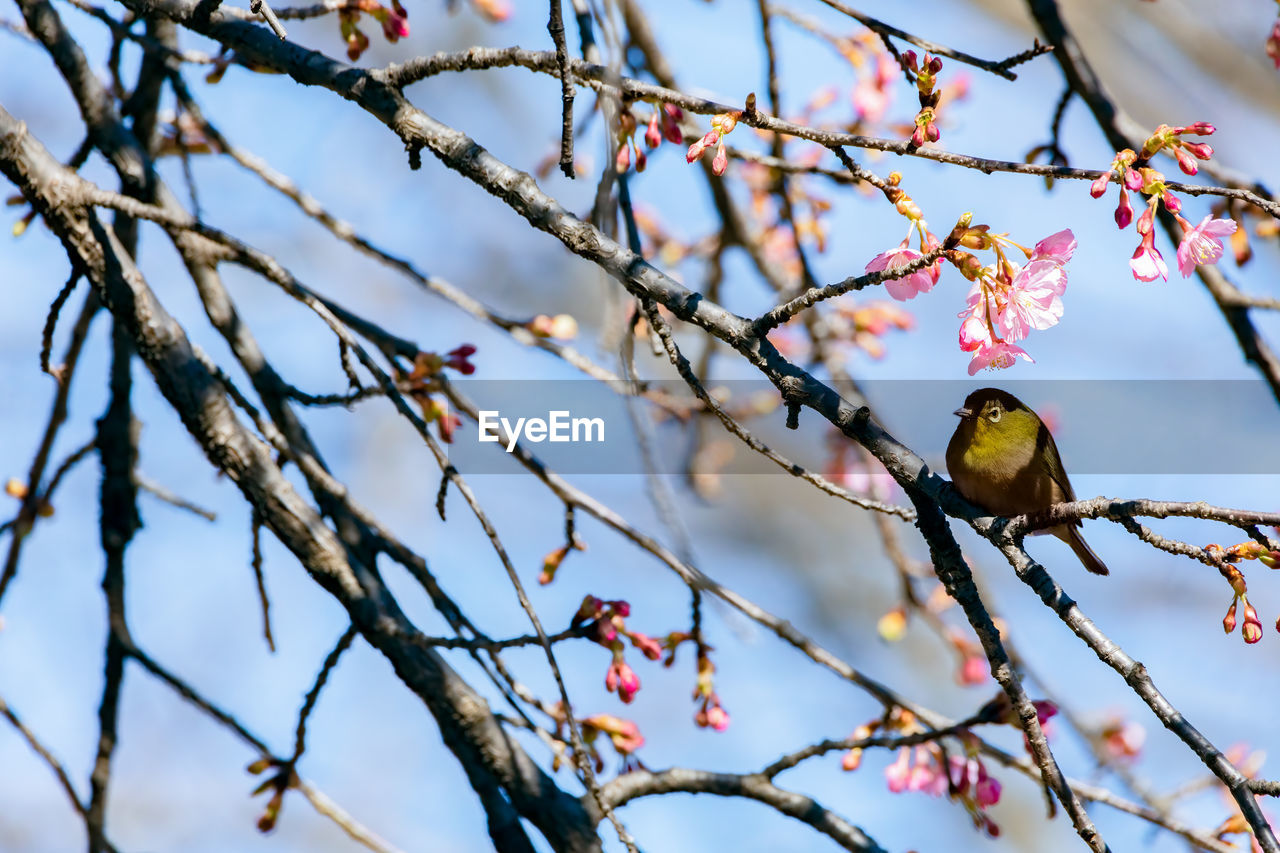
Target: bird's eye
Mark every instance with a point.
(994, 415)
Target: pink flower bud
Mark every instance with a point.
(974, 670)
(898, 773)
(1171, 202)
(458, 359)
(622, 679)
(1124, 211)
(717, 718)
(987, 791)
(1133, 180)
(671, 116)
(647, 645)
(620, 606)
(909, 57)
(931, 132)
(653, 136)
(1144, 221)
(917, 136)
(720, 162)
(697, 149)
(1099, 187)
(623, 161)
(1045, 710)
(935, 65)
(1200, 128)
(1229, 621)
(1186, 162)
(1252, 628)
(1201, 150)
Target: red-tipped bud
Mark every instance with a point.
(1124, 210)
(1200, 128)
(1202, 150)
(1252, 628)
(1099, 187)
(652, 135)
(1133, 180)
(720, 162)
(1229, 621)
(1186, 162)
(671, 116)
(1171, 202)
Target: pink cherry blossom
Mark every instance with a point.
(872, 94)
(717, 718)
(997, 356)
(1056, 247)
(975, 331)
(1147, 262)
(902, 289)
(1203, 243)
(926, 774)
(898, 773)
(1033, 300)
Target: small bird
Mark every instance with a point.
(1003, 459)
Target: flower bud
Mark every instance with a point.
(1099, 187)
(1124, 211)
(720, 162)
(1200, 128)
(1186, 162)
(1201, 150)
(652, 135)
(1252, 628)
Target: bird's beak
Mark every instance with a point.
(963, 413)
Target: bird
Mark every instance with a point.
(1002, 458)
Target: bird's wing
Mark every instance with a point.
(1047, 452)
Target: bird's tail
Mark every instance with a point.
(1071, 535)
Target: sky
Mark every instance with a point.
(180, 781)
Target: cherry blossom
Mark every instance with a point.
(1202, 244)
(908, 286)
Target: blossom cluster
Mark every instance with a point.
(926, 74)
(1251, 629)
(624, 735)
(664, 123)
(422, 385)
(722, 124)
(604, 622)
(928, 768)
(1006, 299)
(394, 21)
(1200, 244)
